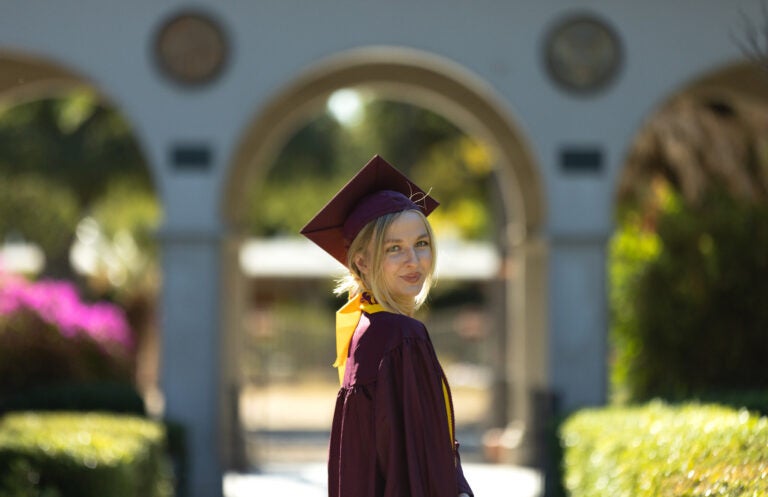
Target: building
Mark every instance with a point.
(557, 88)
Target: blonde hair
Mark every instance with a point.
(372, 235)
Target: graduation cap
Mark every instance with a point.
(377, 189)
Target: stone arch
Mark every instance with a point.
(411, 75)
(743, 81)
(429, 81)
(737, 84)
(26, 77)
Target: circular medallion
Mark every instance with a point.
(191, 48)
(582, 53)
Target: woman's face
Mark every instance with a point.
(407, 256)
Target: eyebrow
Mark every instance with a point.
(397, 240)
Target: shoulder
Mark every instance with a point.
(392, 330)
(399, 324)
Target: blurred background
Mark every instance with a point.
(602, 234)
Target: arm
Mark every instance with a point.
(414, 449)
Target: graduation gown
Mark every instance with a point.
(392, 433)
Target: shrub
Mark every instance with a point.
(49, 335)
(658, 450)
(690, 315)
(110, 396)
(77, 455)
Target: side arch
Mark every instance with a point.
(25, 77)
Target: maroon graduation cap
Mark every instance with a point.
(377, 189)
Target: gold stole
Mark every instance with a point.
(347, 319)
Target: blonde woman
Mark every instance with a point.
(393, 426)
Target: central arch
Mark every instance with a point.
(434, 82)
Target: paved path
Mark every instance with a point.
(309, 480)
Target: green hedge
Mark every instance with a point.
(658, 450)
(106, 396)
(82, 455)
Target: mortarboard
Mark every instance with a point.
(377, 189)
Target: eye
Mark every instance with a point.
(393, 248)
(422, 243)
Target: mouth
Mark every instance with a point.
(412, 278)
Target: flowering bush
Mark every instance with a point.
(48, 334)
(57, 303)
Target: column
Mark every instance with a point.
(190, 343)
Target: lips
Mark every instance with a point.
(412, 278)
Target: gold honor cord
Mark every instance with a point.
(448, 410)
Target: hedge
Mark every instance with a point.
(82, 455)
(659, 450)
(105, 396)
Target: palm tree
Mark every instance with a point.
(698, 142)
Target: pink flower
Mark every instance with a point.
(58, 303)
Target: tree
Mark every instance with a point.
(323, 154)
(688, 260)
(697, 143)
(76, 141)
(72, 176)
(59, 158)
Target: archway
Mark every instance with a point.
(431, 82)
(699, 157)
(34, 81)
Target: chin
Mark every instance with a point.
(409, 294)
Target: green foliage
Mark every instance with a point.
(631, 249)
(459, 172)
(126, 206)
(39, 211)
(82, 455)
(321, 156)
(34, 353)
(176, 444)
(755, 401)
(75, 141)
(661, 451)
(109, 396)
(690, 315)
(119, 236)
(63, 159)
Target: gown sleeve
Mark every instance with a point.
(461, 481)
(414, 451)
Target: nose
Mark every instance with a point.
(411, 256)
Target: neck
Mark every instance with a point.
(406, 306)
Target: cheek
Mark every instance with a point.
(426, 257)
(390, 263)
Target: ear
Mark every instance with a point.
(361, 261)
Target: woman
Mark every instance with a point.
(393, 426)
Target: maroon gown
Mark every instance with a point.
(390, 435)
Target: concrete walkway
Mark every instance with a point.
(309, 480)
